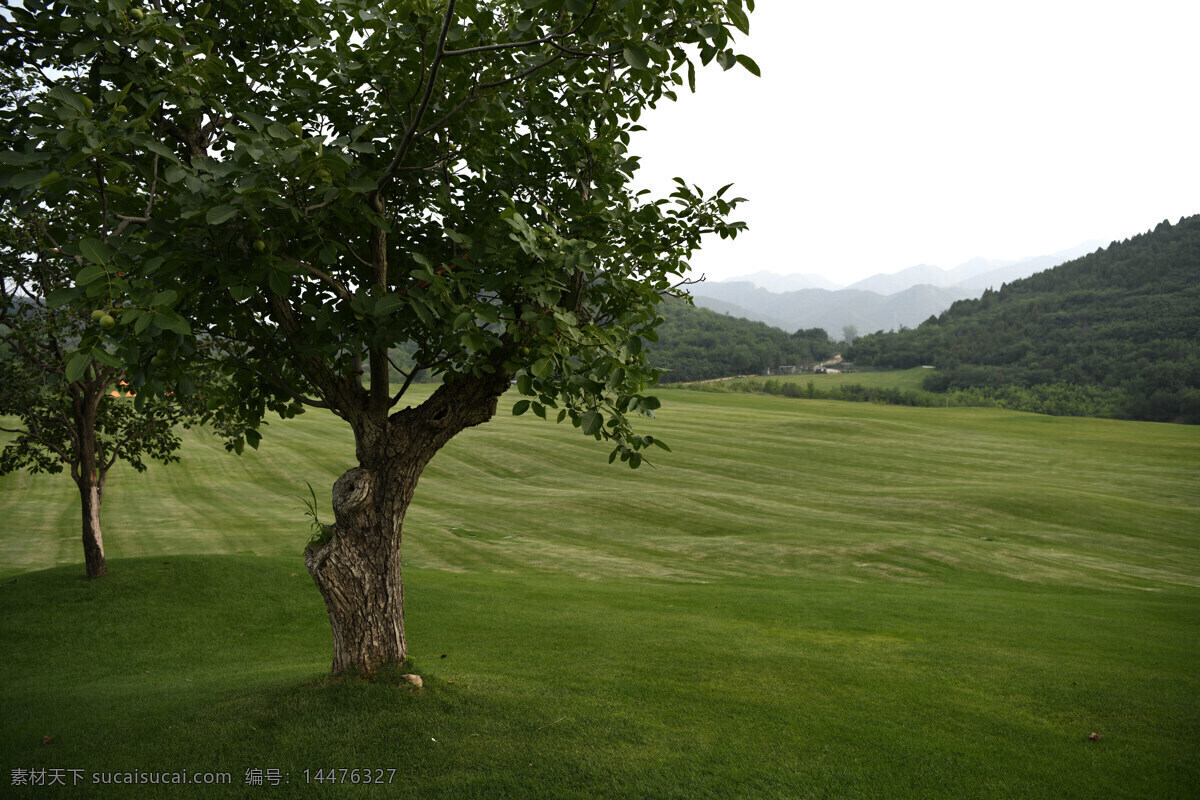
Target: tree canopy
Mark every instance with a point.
(451, 175)
(65, 410)
(308, 184)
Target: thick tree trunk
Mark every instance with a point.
(93, 543)
(358, 570)
(358, 573)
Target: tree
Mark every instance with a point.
(311, 183)
(72, 411)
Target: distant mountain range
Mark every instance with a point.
(879, 303)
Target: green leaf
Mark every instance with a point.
(159, 149)
(89, 275)
(165, 298)
(256, 122)
(362, 185)
(424, 314)
(738, 18)
(636, 56)
(105, 357)
(23, 179)
(542, 368)
(62, 296)
(751, 67)
(94, 251)
(592, 422)
(461, 239)
(520, 407)
(76, 365)
(241, 292)
(525, 383)
(279, 283)
(15, 158)
(220, 214)
(387, 304)
(170, 321)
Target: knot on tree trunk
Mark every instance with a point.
(351, 492)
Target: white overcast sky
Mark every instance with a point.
(885, 134)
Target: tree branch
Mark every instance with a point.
(411, 133)
(338, 287)
(486, 48)
(343, 395)
(478, 91)
(274, 380)
(33, 433)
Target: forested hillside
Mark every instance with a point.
(1125, 319)
(696, 344)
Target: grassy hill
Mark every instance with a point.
(803, 600)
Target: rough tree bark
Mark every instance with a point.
(358, 571)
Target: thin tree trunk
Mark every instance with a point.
(93, 543)
(89, 476)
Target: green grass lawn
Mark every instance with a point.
(810, 599)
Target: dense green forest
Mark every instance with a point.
(695, 344)
(1124, 320)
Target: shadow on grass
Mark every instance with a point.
(557, 687)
